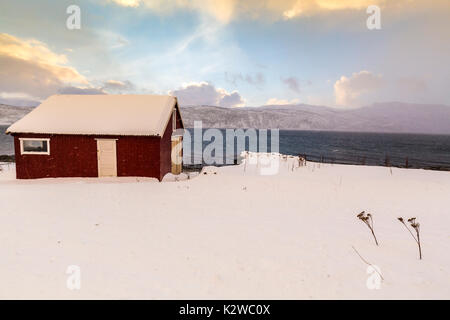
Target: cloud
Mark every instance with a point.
(349, 91)
(29, 50)
(256, 79)
(110, 86)
(81, 90)
(281, 102)
(221, 10)
(18, 99)
(127, 3)
(292, 84)
(204, 93)
(116, 85)
(233, 99)
(112, 40)
(226, 10)
(30, 71)
(305, 7)
(31, 68)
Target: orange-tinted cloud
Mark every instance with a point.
(226, 10)
(30, 67)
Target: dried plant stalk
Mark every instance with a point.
(367, 262)
(416, 226)
(367, 219)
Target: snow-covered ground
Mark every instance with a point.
(229, 233)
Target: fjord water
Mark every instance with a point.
(421, 150)
(418, 150)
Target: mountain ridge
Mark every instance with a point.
(392, 117)
(395, 117)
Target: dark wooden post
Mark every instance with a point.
(387, 161)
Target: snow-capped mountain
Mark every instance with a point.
(10, 114)
(380, 117)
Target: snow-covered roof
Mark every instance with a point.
(142, 115)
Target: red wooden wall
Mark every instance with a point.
(70, 156)
(76, 155)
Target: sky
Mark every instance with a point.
(226, 52)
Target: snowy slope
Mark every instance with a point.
(10, 114)
(382, 117)
(230, 233)
(386, 117)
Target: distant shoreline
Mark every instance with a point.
(7, 158)
(402, 150)
(11, 159)
(336, 131)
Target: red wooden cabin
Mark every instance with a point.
(99, 136)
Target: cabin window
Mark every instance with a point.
(34, 146)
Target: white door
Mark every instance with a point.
(106, 158)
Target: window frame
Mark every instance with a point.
(174, 119)
(22, 151)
